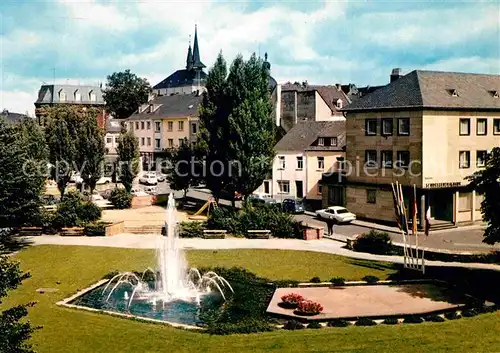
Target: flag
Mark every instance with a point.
(427, 220)
(396, 206)
(414, 220)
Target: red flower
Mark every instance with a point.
(292, 298)
(309, 307)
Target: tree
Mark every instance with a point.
(91, 153)
(237, 131)
(182, 172)
(124, 93)
(128, 158)
(486, 182)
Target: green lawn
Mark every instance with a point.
(66, 330)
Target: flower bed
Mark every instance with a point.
(291, 301)
(308, 308)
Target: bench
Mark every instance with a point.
(71, 232)
(258, 234)
(30, 231)
(214, 234)
(350, 241)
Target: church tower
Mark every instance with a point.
(197, 64)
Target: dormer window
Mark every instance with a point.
(339, 104)
(333, 141)
(77, 96)
(92, 96)
(453, 92)
(62, 96)
(321, 141)
(495, 94)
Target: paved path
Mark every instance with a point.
(325, 246)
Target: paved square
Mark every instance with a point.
(372, 300)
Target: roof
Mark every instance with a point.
(330, 93)
(182, 78)
(113, 126)
(177, 105)
(49, 94)
(434, 90)
(304, 134)
(13, 117)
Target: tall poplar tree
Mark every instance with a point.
(128, 158)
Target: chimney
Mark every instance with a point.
(395, 74)
(339, 86)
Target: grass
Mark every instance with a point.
(66, 330)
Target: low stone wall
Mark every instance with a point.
(142, 201)
(115, 228)
(313, 232)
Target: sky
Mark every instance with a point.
(323, 42)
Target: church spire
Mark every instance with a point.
(197, 64)
(189, 59)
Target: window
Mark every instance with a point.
(333, 141)
(321, 163)
(340, 163)
(339, 104)
(320, 189)
(149, 141)
(464, 127)
(284, 186)
(321, 141)
(157, 143)
(142, 125)
(370, 127)
(137, 125)
(482, 126)
(157, 126)
(116, 140)
(193, 128)
(62, 96)
(281, 161)
(387, 127)
(403, 159)
(371, 158)
(92, 96)
(170, 126)
(464, 159)
(386, 157)
(481, 157)
(300, 162)
(149, 125)
(371, 196)
(496, 126)
(181, 125)
(403, 126)
(142, 141)
(170, 142)
(109, 140)
(78, 96)
(181, 142)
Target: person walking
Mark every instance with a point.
(330, 223)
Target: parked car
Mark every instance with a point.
(148, 179)
(104, 180)
(76, 178)
(136, 191)
(293, 206)
(338, 213)
(261, 198)
(106, 193)
(160, 177)
(227, 196)
(151, 190)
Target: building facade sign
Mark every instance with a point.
(442, 185)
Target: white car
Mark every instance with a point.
(338, 213)
(149, 179)
(151, 190)
(75, 178)
(160, 177)
(136, 191)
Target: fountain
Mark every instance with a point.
(171, 280)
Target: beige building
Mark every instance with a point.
(309, 150)
(428, 129)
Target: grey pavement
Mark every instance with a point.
(135, 241)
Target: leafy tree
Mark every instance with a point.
(237, 131)
(124, 93)
(486, 182)
(182, 170)
(91, 151)
(128, 158)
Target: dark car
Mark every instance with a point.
(293, 206)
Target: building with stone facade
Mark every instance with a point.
(427, 128)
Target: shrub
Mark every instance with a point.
(120, 198)
(74, 211)
(434, 318)
(391, 321)
(371, 279)
(337, 281)
(373, 242)
(88, 212)
(286, 283)
(414, 319)
(293, 325)
(315, 280)
(338, 323)
(97, 229)
(309, 307)
(364, 321)
(314, 325)
(244, 326)
(452, 315)
(469, 313)
(47, 222)
(191, 229)
(292, 298)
